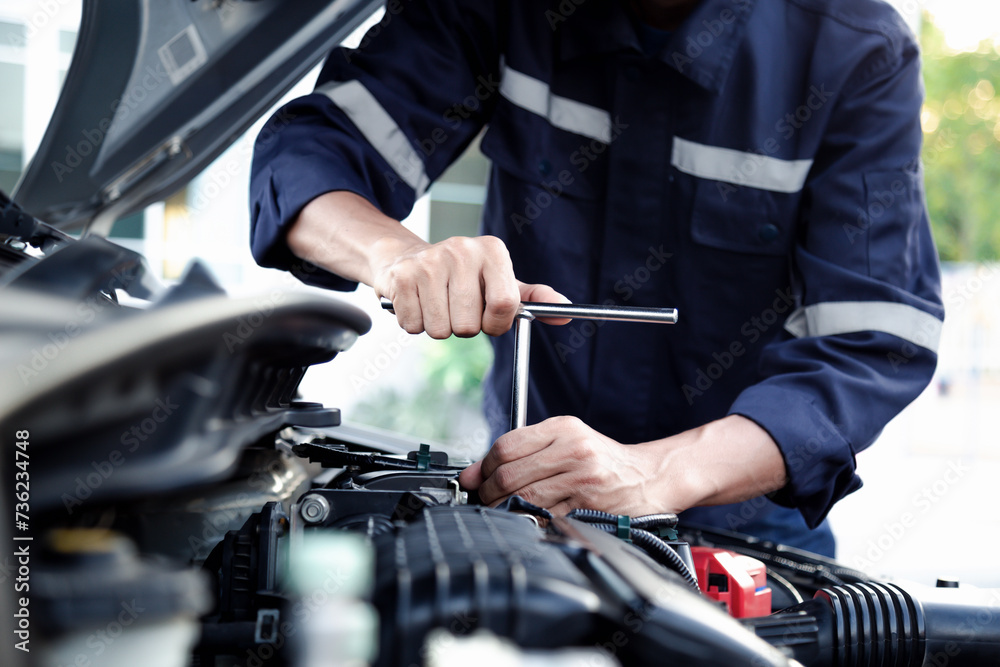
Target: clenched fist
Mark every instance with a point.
(458, 286)
(461, 286)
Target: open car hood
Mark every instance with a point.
(158, 88)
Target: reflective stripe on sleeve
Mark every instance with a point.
(534, 95)
(381, 131)
(840, 317)
(739, 168)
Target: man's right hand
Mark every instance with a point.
(461, 286)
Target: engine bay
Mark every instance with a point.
(187, 509)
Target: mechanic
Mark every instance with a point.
(753, 163)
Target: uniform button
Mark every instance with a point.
(544, 167)
(632, 73)
(767, 233)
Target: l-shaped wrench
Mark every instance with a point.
(529, 310)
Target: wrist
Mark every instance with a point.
(725, 461)
(673, 480)
(344, 233)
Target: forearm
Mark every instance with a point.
(345, 234)
(726, 461)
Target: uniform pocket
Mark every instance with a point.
(893, 217)
(525, 146)
(743, 219)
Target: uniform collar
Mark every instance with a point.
(594, 27)
(702, 48)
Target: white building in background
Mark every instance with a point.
(36, 44)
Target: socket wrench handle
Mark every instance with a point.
(586, 312)
(530, 310)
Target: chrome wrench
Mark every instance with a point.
(530, 310)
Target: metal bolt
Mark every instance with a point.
(314, 509)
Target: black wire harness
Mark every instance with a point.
(636, 527)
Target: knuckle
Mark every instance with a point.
(438, 332)
(451, 255)
(492, 330)
(567, 422)
(421, 272)
(465, 329)
(486, 493)
(503, 304)
(459, 250)
(494, 245)
(499, 453)
(505, 479)
(401, 280)
(411, 327)
(582, 450)
(464, 244)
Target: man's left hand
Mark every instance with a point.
(563, 464)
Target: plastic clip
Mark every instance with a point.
(424, 457)
(624, 527)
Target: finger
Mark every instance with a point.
(516, 445)
(472, 477)
(499, 287)
(433, 293)
(465, 302)
(510, 477)
(544, 493)
(543, 294)
(406, 306)
(562, 508)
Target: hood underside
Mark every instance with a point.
(157, 89)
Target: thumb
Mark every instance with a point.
(543, 294)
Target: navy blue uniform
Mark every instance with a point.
(758, 170)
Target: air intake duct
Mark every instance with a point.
(872, 624)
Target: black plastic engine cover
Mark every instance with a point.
(463, 568)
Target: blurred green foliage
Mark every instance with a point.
(445, 404)
(458, 366)
(961, 121)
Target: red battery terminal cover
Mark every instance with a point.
(738, 581)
